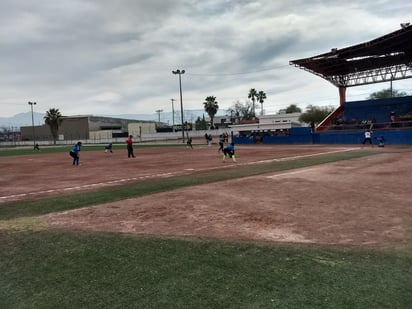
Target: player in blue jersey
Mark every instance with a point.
(74, 153)
(229, 151)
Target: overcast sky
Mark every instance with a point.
(110, 57)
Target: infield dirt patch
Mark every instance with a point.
(362, 201)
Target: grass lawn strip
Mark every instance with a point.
(50, 269)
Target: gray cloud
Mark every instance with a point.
(116, 57)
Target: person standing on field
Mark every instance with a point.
(189, 142)
(129, 143)
(74, 153)
(368, 137)
(209, 140)
(221, 142)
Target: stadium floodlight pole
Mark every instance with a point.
(32, 122)
(158, 112)
(180, 72)
(173, 114)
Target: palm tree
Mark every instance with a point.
(252, 95)
(53, 119)
(211, 108)
(261, 97)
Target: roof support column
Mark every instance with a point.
(342, 95)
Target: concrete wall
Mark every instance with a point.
(71, 129)
(107, 123)
(89, 127)
(140, 128)
(101, 135)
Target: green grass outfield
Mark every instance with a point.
(42, 268)
(10, 151)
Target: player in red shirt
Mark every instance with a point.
(129, 143)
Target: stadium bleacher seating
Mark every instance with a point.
(361, 114)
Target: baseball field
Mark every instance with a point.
(285, 226)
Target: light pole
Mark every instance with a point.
(173, 114)
(32, 122)
(158, 112)
(180, 72)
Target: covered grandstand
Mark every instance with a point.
(385, 59)
(392, 113)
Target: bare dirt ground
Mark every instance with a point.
(360, 202)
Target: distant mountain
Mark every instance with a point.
(24, 119)
(21, 120)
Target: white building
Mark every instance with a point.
(268, 124)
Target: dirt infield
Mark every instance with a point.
(363, 201)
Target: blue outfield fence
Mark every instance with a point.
(294, 136)
(390, 119)
(392, 137)
(305, 136)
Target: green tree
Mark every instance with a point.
(200, 123)
(293, 108)
(253, 95)
(386, 93)
(261, 97)
(211, 107)
(53, 119)
(240, 111)
(315, 114)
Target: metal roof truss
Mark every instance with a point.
(378, 75)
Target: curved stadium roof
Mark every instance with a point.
(383, 59)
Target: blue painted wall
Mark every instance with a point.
(304, 136)
(392, 137)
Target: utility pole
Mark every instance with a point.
(32, 123)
